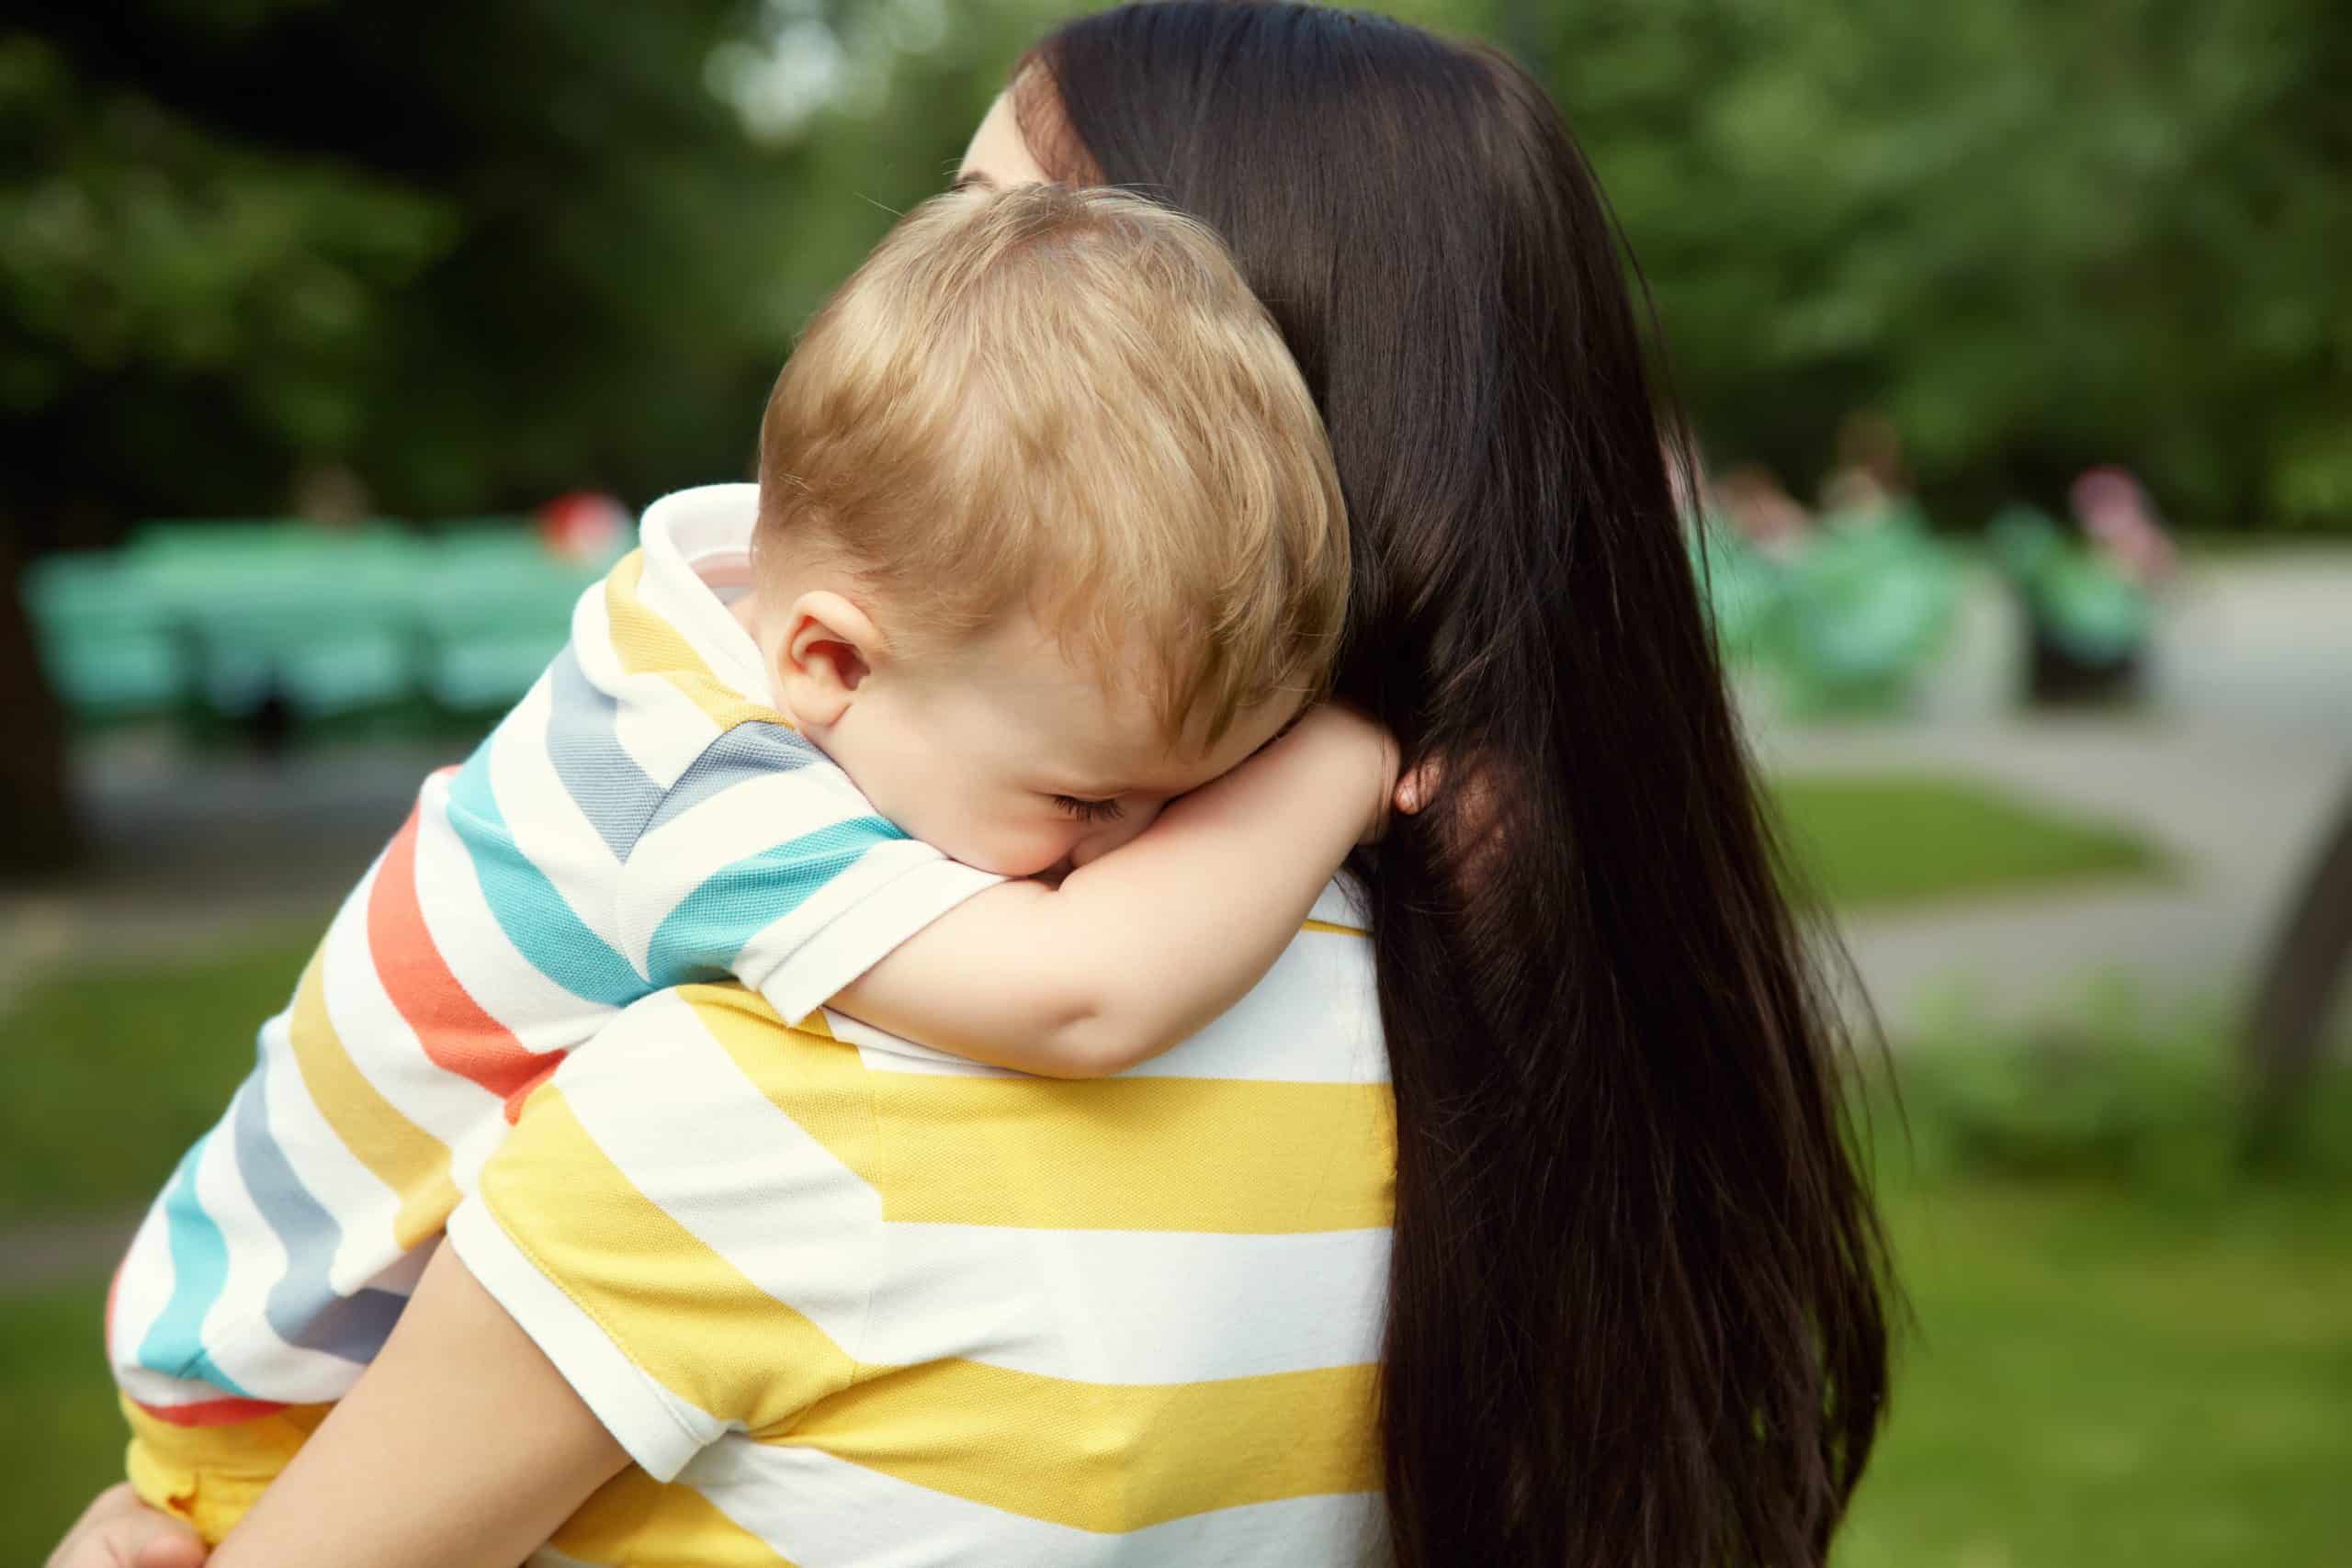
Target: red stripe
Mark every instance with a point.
(515, 1101)
(211, 1412)
(454, 1031)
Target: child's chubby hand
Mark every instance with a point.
(119, 1532)
(1356, 756)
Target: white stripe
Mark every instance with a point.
(660, 1430)
(661, 726)
(1314, 1018)
(1340, 904)
(1129, 1306)
(541, 1014)
(823, 1512)
(885, 1052)
(756, 1189)
(236, 1331)
(658, 726)
(362, 1205)
(548, 825)
(157, 1391)
(143, 1286)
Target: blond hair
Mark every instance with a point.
(1069, 400)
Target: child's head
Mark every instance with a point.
(1048, 527)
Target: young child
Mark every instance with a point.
(1046, 534)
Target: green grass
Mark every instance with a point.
(120, 1069)
(2094, 1379)
(61, 1437)
(2130, 1349)
(1867, 840)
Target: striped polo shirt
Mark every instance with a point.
(644, 818)
(850, 1303)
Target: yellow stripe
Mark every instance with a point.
(1070, 1155)
(1334, 929)
(688, 1318)
(646, 643)
(211, 1476)
(404, 1157)
(1103, 1457)
(635, 1518)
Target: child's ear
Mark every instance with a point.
(829, 648)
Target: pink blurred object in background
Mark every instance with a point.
(585, 526)
(2112, 507)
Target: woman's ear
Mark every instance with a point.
(1419, 784)
(829, 650)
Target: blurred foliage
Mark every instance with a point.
(2035, 236)
(475, 255)
(478, 255)
(2108, 1095)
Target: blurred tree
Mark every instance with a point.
(2037, 236)
(476, 253)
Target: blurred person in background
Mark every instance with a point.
(1763, 511)
(2112, 506)
(1635, 1308)
(1869, 477)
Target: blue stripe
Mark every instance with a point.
(534, 916)
(175, 1342)
(604, 779)
(747, 751)
(699, 939)
(303, 1305)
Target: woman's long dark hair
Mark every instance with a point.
(1637, 1311)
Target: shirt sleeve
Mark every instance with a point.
(828, 887)
(692, 1256)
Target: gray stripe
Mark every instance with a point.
(304, 1306)
(746, 751)
(611, 790)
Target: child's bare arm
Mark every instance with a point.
(1138, 949)
(461, 1445)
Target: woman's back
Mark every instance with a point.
(870, 1305)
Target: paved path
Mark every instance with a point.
(2236, 766)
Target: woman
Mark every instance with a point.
(1635, 1311)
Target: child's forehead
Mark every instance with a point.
(1096, 722)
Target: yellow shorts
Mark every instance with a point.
(210, 1475)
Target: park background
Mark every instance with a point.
(261, 258)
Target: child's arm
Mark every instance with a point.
(1138, 949)
(461, 1445)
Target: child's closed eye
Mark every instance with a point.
(1088, 810)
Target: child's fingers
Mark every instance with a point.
(119, 1532)
(170, 1545)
